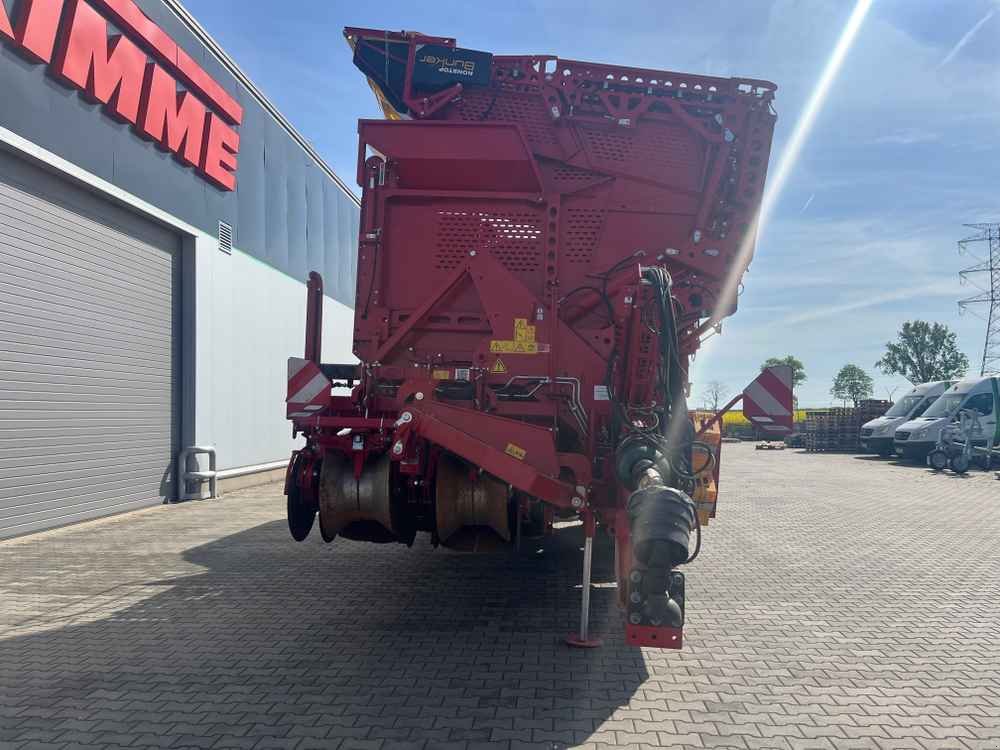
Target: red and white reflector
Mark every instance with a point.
(767, 401)
(308, 389)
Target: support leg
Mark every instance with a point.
(582, 639)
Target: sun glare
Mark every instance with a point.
(790, 155)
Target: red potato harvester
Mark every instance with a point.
(544, 244)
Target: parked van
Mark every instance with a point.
(876, 435)
(916, 438)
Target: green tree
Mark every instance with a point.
(852, 384)
(798, 369)
(924, 352)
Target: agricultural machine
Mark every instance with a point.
(544, 244)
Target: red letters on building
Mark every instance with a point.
(109, 70)
(115, 71)
(176, 120)
(5, 28)
(36, 31)
(219, 158)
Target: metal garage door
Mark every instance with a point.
(88, 310)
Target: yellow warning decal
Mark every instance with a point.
(441, 374)
(522, 343)
(516, 451)
(513, 347)
(522, 331)
(498, 367)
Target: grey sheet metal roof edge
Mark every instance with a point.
(216, 49)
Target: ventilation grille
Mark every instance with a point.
(570, 177)
(658, 152)
(583, 228)
(225, 238)
(527, 110)
(514, 238)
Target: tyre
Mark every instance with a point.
(959, 464)
(937, 460)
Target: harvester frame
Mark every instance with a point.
(541, 250)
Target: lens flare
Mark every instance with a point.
(790, 155)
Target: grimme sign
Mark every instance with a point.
(195, 123)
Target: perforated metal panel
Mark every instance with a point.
(88, 422)
(514, 237)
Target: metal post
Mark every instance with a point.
(588, 559)
(583, 639)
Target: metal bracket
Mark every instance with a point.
(211, 476)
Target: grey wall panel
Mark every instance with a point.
(88, 354)
(268, 210)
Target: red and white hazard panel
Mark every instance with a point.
(767, 401)
(308, 388)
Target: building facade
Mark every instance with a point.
(158, 219)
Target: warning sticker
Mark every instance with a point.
(516, 451)
(522, 343)
(499, 367)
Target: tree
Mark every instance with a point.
(924, 352)
(798, 369)
(852, 383)
(713, 394)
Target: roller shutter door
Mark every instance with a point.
(88, 354)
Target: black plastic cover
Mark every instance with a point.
(438, 67)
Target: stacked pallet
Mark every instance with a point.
(838, 429)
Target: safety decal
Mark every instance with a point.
(522, 343)
(516, 451)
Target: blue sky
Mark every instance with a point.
(863, 237)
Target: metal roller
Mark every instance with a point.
(472, 511)
(356, 508)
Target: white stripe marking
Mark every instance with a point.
(295, 366)
(311, 389)
(763, 398)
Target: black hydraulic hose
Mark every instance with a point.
(600, 293)
(697, 543)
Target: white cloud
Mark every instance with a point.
(906, 137)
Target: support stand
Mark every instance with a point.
(583, 639)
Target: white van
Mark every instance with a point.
(916, 438)
(876, 435)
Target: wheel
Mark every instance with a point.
(937, 460)
(959, 464)
(301, 513)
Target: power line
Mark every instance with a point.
(985, 276)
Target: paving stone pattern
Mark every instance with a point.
(839, 602)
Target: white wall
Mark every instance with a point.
(249, 319)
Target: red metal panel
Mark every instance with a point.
(647, 635)
(450, 156)
(768, 401)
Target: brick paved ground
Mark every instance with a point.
(839, 603)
